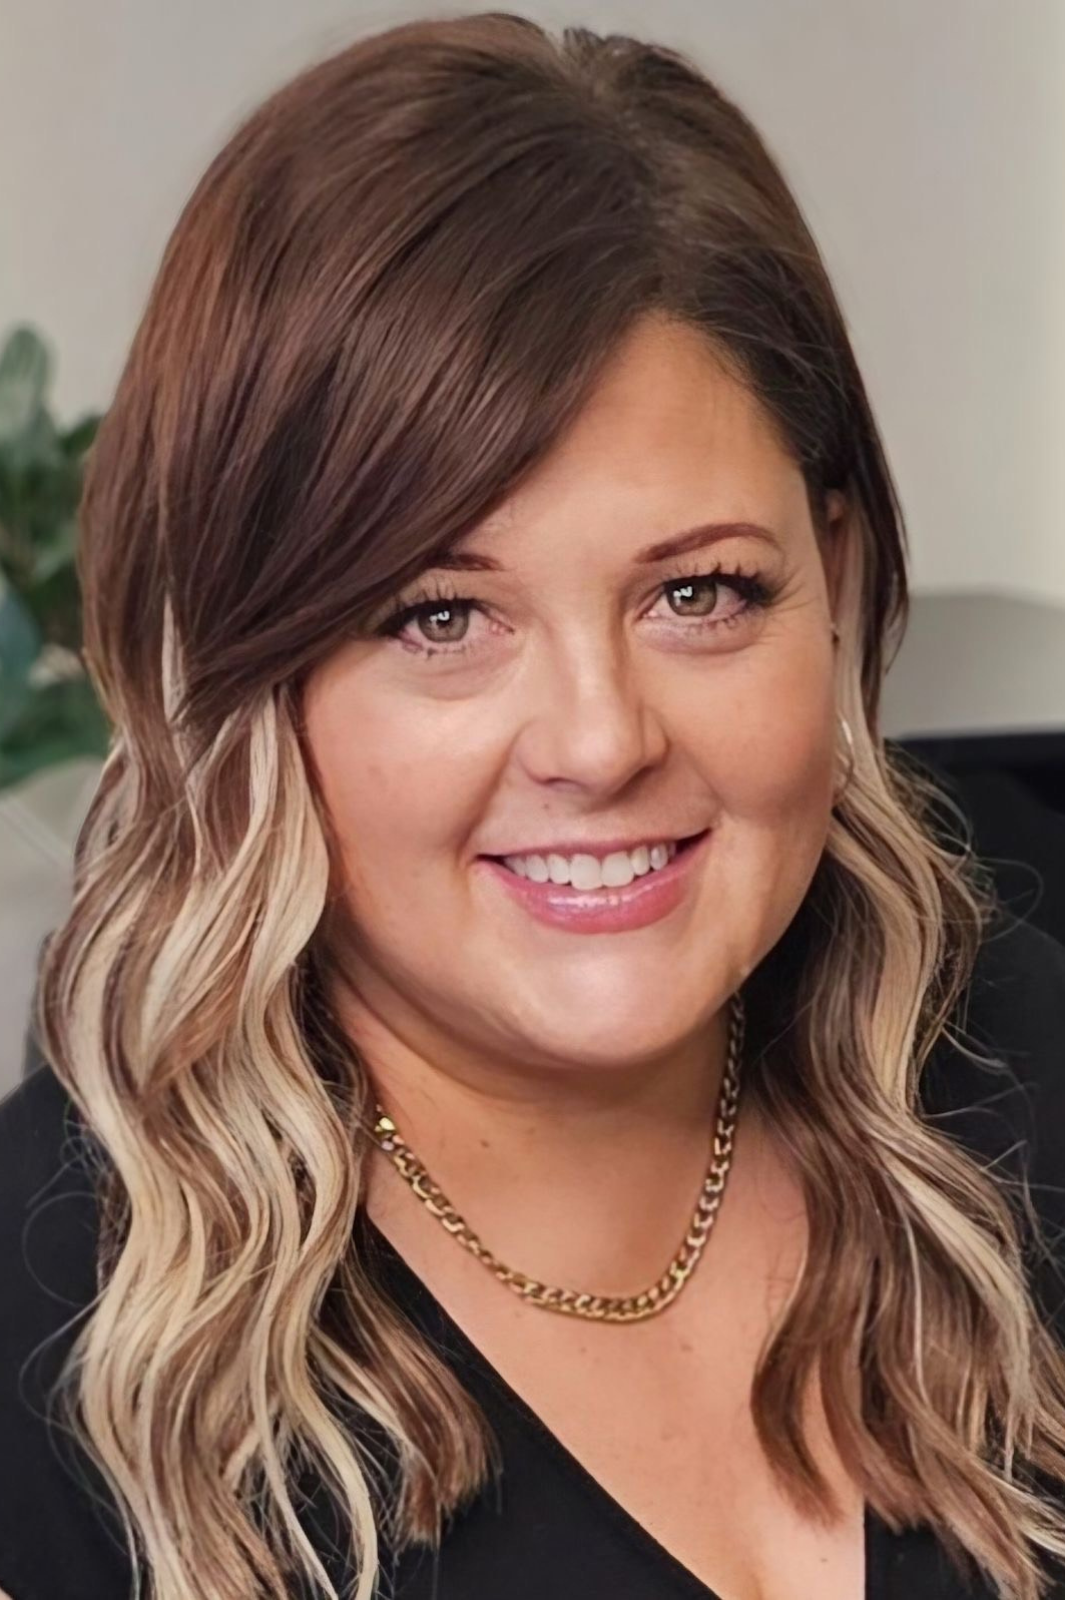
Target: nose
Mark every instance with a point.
(592, 725)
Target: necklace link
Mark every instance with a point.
(572, 1302)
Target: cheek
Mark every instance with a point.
(781, 738)
(791, 764)
(776, 792)
(360, 770)
(388, 776)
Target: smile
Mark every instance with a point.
(607, 908)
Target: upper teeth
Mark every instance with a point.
(593, 872)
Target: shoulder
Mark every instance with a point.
(1019, 986)
(59, 1535)
(47, 1205)
(1009, 1110)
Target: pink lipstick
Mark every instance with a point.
(608, 910)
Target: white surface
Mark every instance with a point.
(977, 663)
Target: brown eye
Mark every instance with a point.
(442, 620)
(693, 597)
(692, 591)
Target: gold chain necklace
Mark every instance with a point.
(570, 1302)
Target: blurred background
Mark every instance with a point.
(925, 141)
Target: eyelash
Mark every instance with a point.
(757, 591)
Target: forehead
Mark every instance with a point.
(668, 439)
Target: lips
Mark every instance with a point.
(647, 899)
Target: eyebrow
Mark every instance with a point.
(697, 538)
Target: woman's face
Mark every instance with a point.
(581, 692)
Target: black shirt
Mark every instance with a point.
(544, 1529)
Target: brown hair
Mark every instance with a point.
(386, 300)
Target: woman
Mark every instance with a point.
(498, 876)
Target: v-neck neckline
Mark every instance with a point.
(687, 1583)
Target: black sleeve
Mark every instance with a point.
(60, 1535)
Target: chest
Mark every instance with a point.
(657, 1414)
(670, 1440)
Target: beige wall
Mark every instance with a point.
(926, 140)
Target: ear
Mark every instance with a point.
(834, 546)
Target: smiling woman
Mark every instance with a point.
(590, 691)
(499, 900)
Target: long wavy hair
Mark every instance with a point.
(388, 297)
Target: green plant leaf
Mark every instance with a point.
(20, 643)
(25, 373)
(43, 719)
(34, 451)
(55, 604)
(61, 721)
(76, 440)
(55, 550)
(20, 638)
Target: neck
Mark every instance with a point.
(579, 1176)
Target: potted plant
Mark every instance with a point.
(49, 713)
